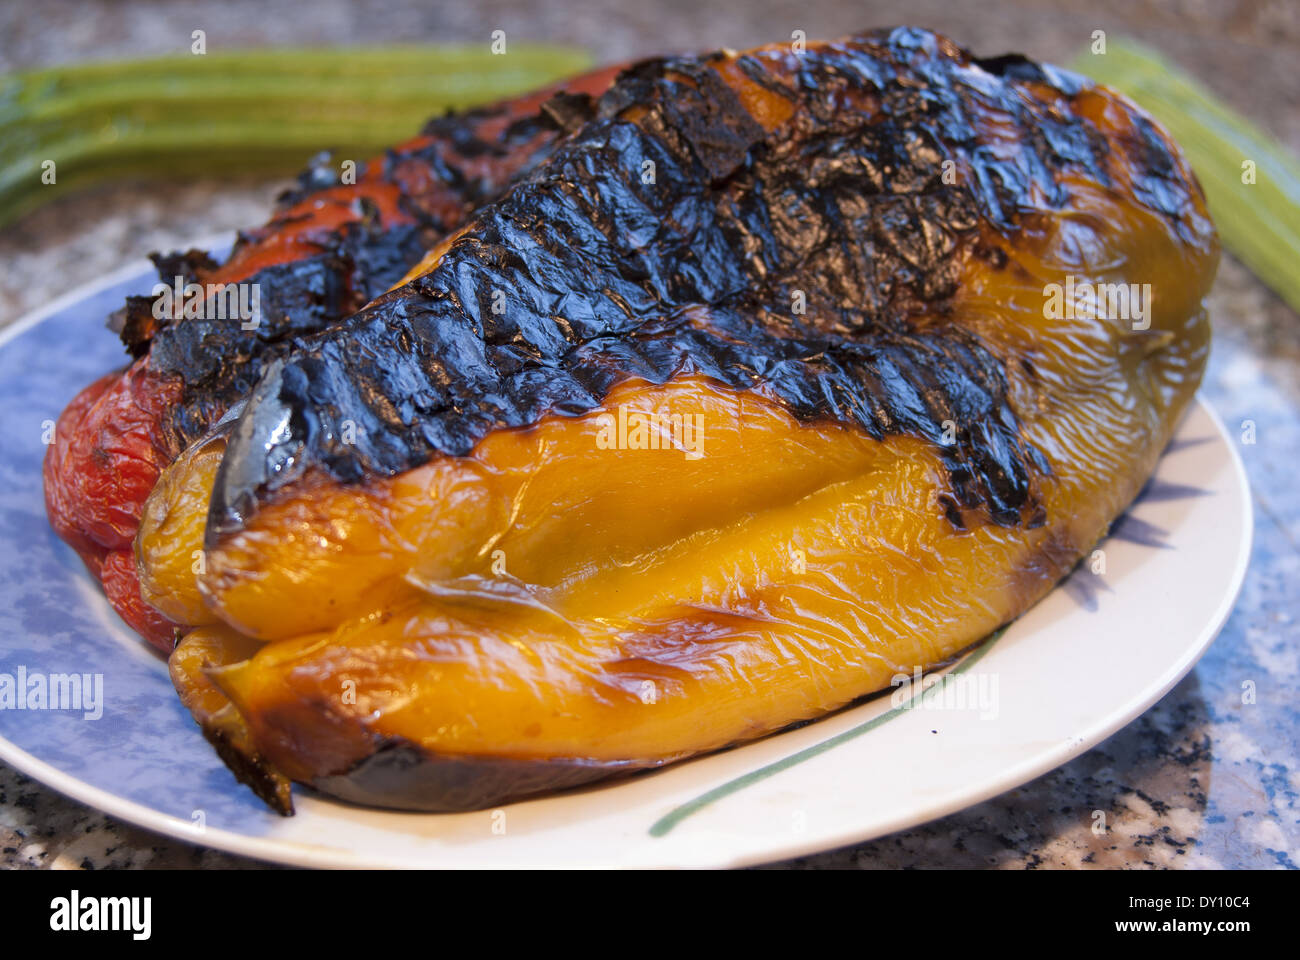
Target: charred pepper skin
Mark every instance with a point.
(820, 179)
(330, 248)
(604, 275)
(364, 239)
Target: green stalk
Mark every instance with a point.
(1259, 222)
(261, 111)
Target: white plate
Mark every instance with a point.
(1090, 658)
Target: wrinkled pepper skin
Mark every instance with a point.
(330, 248)
(478, 552)
(103, 462)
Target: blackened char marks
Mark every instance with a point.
(1158, 183)
(220, 359)
(695, 113)
(671, 236)
(462, 158)
(135, 323)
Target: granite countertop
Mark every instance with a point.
(1200, 780)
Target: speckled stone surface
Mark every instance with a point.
(1203, 779)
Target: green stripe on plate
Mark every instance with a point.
(670, 820)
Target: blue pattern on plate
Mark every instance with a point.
(54, 619)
